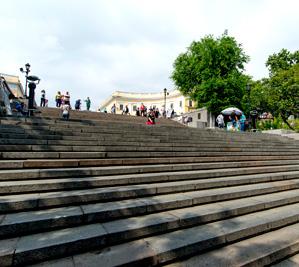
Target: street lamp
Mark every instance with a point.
(26, 71)
(248, 93)
(165, 94)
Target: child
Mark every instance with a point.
(65, 111)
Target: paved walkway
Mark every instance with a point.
(282, 132)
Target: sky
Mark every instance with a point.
(95, 47)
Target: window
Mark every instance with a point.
(199, 116)
(190, 103)
(121, 106)
(181, 104)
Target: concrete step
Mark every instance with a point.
(138, 142)
(27, 129)
(24, 223)
(59, 163)
(157, 172)
(20, 202)
(23, 154)
(209, 180)
(160, 249)
(292, 261)
(105, 145)
(262, 250)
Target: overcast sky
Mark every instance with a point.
(95, 47)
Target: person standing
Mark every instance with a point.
(67, 98)
(43, 98)
(58, 98)
(65, 111)
(78, 104)
(88, 102)
(113, 109)
(220, 121)
(242, 122)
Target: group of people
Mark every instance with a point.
(233, 122)
(65, 100)
(151, 113)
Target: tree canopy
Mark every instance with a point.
(211, 72)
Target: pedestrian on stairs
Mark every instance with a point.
(88, 102)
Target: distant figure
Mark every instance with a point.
(157, 113)
(151, 117)
(58, 98)
(142, 110)
(88, 102)
(137, 112)
(78, 104)
(113, 109)
(105, 110)
(242, 122)
(65, 111)
(126, 110)
(220, 121)
(67, 98)
(43, 98)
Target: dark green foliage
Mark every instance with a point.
(211, 72)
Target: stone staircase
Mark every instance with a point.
(105, 191)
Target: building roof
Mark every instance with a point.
(133, 96)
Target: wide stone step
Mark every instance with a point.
(189, 171)
(16, 224)
(125, 135)
(262, 250)
(153, 249)
(131, 133)
(209, 180)
(139, 148)
(59, 163)
(23, 154)
(292, 261)
(51, 155)
(196, 154)
(12, 203)
(148, 143)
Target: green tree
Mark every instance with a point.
(282, 61)
(211, 72)
(283, 84)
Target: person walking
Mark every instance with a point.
(43, 98)
(88, 102)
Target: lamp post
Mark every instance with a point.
(26, 71)
(165, 93)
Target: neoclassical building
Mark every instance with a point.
(14, 84)
(174, 100)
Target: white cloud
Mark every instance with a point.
(94, 47)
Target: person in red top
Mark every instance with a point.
(142, 110)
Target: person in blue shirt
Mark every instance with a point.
(242, 122)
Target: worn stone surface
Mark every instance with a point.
(7, 248)
(28, 222)
(257, 251)
(67, 262)
(59, 243)
(136, 253)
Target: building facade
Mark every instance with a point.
(174, 100)
(14, 85)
